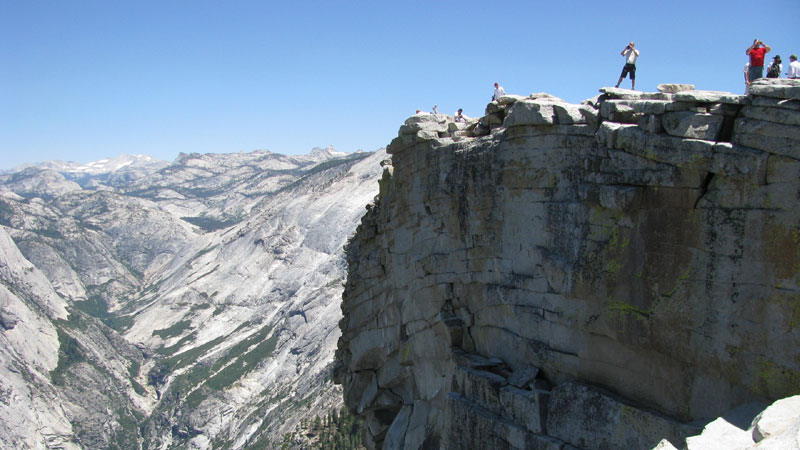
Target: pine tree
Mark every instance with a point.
(317, 423)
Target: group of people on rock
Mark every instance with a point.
(754, 69)
(459, 115)
(629, 52)
(498, 92)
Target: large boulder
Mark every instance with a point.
(547, 112)
(690, 125)
(780, 418)
(672, 88)
(720, 435)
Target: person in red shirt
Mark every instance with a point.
(756, 53)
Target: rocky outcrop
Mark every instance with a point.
(777, 428)
(603, 275)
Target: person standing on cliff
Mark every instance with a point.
(746, 80)
(498, 92)
(774, 70)
(794, 67)
(756, 53)
(630, 54)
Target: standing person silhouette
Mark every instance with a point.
(794, 67)
(756, 53)
(630, 54)
(746, 79)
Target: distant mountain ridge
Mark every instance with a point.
(138, 161)
(191, 304)
(102, 166)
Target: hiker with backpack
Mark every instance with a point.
(774, 70)
(756, 53)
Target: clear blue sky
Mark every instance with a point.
(83, 80)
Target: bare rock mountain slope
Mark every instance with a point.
(185, 305)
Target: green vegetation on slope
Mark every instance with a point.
(174, 330)
(97, 307)
(69, 353)
(337, 430)
(202, 380)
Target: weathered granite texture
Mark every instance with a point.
(776, 428)
(555, 276)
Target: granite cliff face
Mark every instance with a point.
(602, 275)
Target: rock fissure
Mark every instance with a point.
(704, 188)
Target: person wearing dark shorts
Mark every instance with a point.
(630, 54)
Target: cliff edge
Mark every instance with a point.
(601, 275)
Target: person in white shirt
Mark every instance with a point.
(794, 67)
(746, 79)
(498, 92)
(630, 54)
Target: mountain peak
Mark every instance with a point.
(327, 152)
